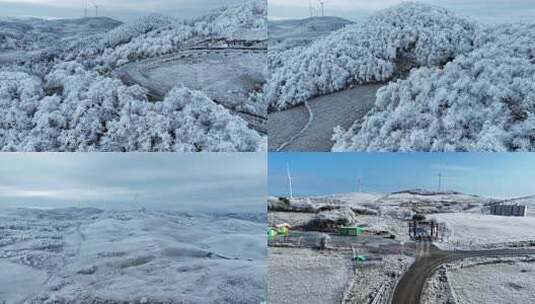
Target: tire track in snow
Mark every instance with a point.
(306, 127)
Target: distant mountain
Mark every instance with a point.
(289, 33)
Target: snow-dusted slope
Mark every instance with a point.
(482, 101)
(386, 44)
(69, 99)
(285, 34)
(35, 34)
(94, 256)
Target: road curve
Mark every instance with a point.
(139, 72)
(310, 127)
(410, 287)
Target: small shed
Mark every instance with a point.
(350, 230)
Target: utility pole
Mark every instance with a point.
(289, 180)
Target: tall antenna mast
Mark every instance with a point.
(290, 180)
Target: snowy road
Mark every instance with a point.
(293, 130)
(411, 285)
(227, 76)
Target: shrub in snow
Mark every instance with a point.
(386, 44)
(90, 112)
(482, 101)
(185, 121)
(126, 32)
(233, 21)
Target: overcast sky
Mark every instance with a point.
(216, 181)
(488, 11)
(123, 10)
(488, 174)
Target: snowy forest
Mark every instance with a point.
(450, 83)
(59, 90)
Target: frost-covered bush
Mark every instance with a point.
(185, 121)
(127, 32)
(482, 101)
(386, 44)
(235, 21)
(91, 112)
(156, 37)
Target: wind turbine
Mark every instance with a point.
(85, 9)
(96, 8)
(322, 3)
(289, 180)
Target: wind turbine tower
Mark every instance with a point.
(96, 8)
(439, 182)
(289, 180)
(322, 3)
(85, 9)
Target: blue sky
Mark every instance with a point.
(489, 174)
(488, 11)
(123, 10)
(230, 181)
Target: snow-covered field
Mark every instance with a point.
(472, 231)
(495, 281)
(94, 256)
(68, 98)
(307, 276)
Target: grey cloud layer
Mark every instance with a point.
(155, 180)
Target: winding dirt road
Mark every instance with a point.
(410, 287)
(310, 127)
(226, 75)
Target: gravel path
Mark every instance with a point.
(410, 287)
(337, 109)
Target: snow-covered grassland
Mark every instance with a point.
(476, 231)
(492, 280)
(67, 99)
(138, 256)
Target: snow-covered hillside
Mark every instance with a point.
(481, 101)
(285, 34)
(94, 256)
(387, 44)
(69, 99)
(37, 34)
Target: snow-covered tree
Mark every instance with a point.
(385, 45)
